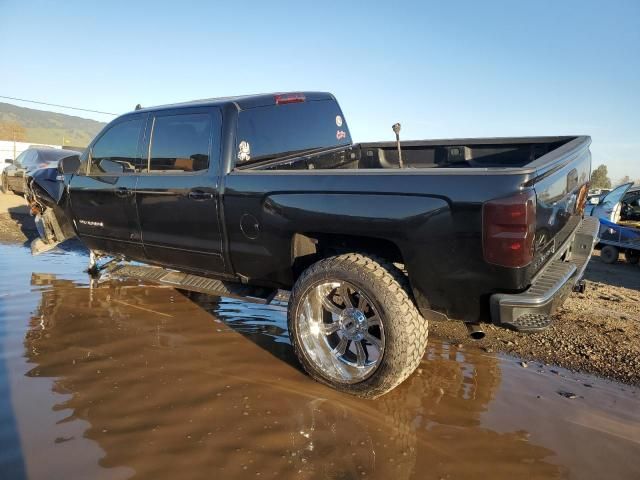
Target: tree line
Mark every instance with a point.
(600, 178)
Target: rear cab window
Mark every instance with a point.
(275, 131)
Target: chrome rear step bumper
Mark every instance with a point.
(531, 310)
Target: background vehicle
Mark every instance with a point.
(29, 160)
(629, 204)
(594, 199)
(611, 206)
(621, 204)
(4, 163)
(615, 238)
(630, 210)
(268, 192)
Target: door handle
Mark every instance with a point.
(123, 192)
(200, 195)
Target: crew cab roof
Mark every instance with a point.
(242, 102)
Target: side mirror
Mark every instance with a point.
(9, 161)
(110, 166)
(69, 164)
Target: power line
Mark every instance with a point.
(56, 105)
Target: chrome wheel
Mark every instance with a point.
(340, 331)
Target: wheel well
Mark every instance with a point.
(307, 249)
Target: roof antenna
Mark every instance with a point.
(396, 130)
(138, 107)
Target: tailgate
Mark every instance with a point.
(561, 183)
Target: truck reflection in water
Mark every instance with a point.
(169, 389)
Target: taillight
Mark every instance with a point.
(289, 98)
(581, 202)
(509, 227)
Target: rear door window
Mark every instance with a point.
(117, 150)
(180, 143)
(280, 130)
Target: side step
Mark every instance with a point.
(529, 322)
(531, 311)
(194, 283)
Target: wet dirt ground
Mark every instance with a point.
(117, 380)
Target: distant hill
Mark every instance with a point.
(49, 127)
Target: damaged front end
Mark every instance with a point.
(47, 194)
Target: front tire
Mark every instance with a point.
(354, 326)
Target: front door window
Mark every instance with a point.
(116, 152)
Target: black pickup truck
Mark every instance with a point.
(248, 195)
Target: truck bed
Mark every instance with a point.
(430, 212)
(426, 154)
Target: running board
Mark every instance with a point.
(194, 283)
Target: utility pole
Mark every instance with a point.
(14, 144)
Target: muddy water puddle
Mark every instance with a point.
(118, 380)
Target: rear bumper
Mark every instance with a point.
(531, 310)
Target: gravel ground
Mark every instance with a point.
(596, 332)
(16, 225)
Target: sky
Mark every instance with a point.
(443, 69)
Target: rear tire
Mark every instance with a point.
(632, 256)
(366, 345)
(609, 254)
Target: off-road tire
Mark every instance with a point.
(609, 254)
(406, 331)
